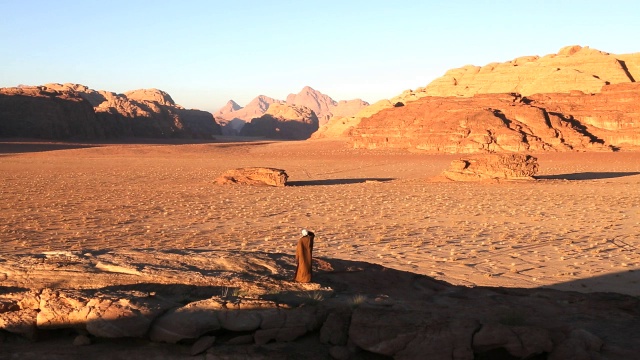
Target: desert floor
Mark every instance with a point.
(577, 227)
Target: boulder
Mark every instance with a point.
(188, 322)
(410, 334)
(202, 344)
(253, 176)
(520, 341)
(493, 166)
(335, 330)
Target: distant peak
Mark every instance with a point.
(233, 105)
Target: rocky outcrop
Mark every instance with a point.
(183, 297)
(572, 68)
(508, 123)
(283, 121)
(150, 95)
(36, 112)
(73, 111)
(493, 166)
(611, 116)
(253, 176)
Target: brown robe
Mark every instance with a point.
(304, 252)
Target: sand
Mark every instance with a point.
(575, 228)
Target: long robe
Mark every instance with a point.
(304, 252)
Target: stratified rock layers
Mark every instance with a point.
(508, 122)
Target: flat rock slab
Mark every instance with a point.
(253, 176)
(493, 166)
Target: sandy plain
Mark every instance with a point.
(577, 227)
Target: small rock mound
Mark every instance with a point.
(253, 176)
(494, 166)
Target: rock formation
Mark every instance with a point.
(36, 112)
(150, 95)
(611, 116)
(233, 117)
(324, 106)
(59, 112)
(283, 121)
(572, 68)
(508, 122)
(253, 176)
(320, 103)
(493, 166)
(230, 302)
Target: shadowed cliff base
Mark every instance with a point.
(587, 175)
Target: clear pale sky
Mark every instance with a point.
(204, 53)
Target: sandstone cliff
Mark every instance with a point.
(73, 111)
(508, 122)
(560, 79)
(572, 68)
(282, 121)
(36, 112)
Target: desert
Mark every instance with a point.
(133, 202)
(492, 214)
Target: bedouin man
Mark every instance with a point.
(304, 252)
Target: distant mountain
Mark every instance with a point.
(74, 111)
(283, 121)
(230, 107)
(322, 105)
(232, 121)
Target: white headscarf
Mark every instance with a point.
(305, 232)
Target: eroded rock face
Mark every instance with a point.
(253, 176)
(508, 123)
(283, 122)
(572, 68)
(493, 166)
(37, 112)
(73, 111)
(572, 71)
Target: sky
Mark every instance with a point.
(204, 53)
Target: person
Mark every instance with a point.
(304, 252)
